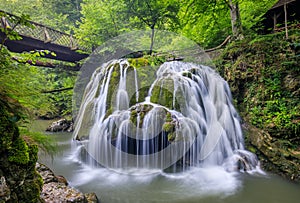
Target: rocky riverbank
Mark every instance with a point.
(274, 154)
(56, 188)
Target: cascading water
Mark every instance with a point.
(184, 118)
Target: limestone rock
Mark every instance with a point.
(4, 190)
(273, 153)
(61, 125)
(56, 189)
(91, 197)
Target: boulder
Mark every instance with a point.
(61, 125)
(273, 153)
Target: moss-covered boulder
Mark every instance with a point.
(138, 112)
(163, 93)
(139, 73)
(169, 127)
(146, 71)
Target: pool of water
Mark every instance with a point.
(197, 185)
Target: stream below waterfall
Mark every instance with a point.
(195, 185)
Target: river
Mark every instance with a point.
(198, 185)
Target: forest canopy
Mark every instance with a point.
(206, 22)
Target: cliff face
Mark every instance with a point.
(19, 181)
(264, 77)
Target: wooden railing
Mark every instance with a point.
(43, 33)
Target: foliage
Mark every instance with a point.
(102, 20)
(62, 101)
(95, 21)
(267, 87)
(61, 15)
(154, 13)
(18, 159)
(17, 82)
(20, 97)
(44, 142)
(10, 32)
(206, 22)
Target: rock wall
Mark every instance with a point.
(264, 78)
(19, 181)
(21, 178)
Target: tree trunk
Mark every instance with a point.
(152, 40)
(285, 22)
(236, 23)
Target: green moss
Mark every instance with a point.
(18, 160)
(168, 127)
(187, 74)
(138, 62)
(33, 154)
(30, 191)
(139, 111)
(113, 85)
(8, 129)
(133, 116)
(171, 136)
(162, 93)
(168, 117)
(19, 152)
(146, 68)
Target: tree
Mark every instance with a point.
(102, 20)
(153, 13)
(236, 23)
(209, 22)
(61, 15)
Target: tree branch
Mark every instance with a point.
(47, 64)
(219, 46)
(57, 90)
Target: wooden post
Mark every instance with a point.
(285, 21)
(47, 37)
(274, 22)
(4, 23)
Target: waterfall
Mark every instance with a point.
(185, 118)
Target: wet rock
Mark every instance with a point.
(4, 190)
(274, 154)
(47, 175)
(56, 189)
(61, 125)
(59, 192)
(62, 179)
(91, 197)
